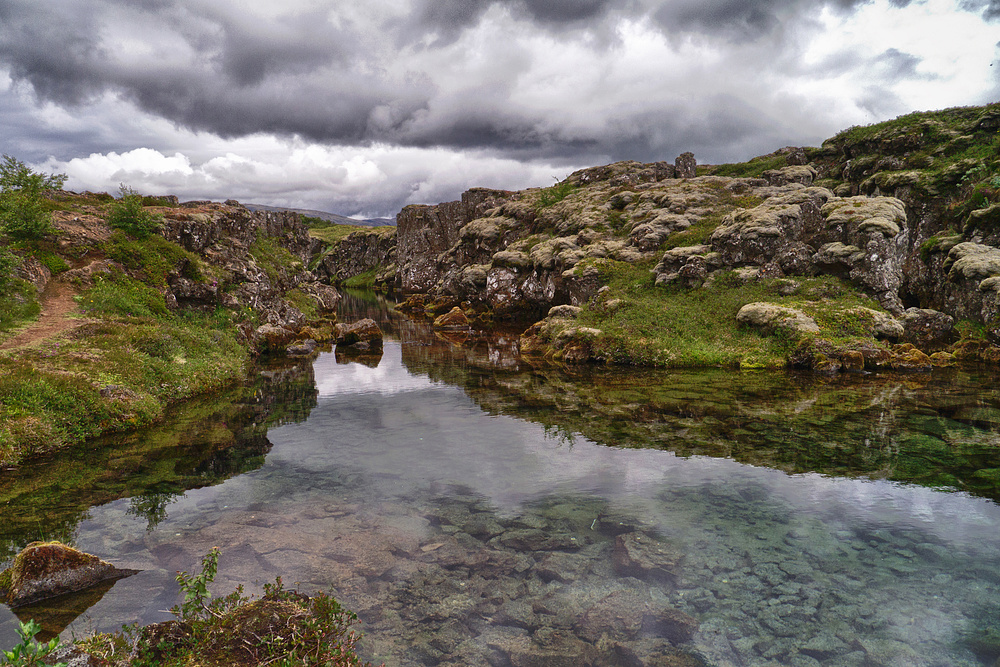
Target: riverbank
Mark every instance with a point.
(130, 323)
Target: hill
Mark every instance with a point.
(328, 217)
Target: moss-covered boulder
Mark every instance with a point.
(49, 569)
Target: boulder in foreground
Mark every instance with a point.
(48, 569)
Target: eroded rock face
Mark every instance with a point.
(804, 230)
(47, 569)
(358, 253)
(518, 254)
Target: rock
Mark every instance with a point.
(48, 569)
(927, 329)
(639, 555)
(268, 337)
(362, 331)
(454, 320)
(791, 174)
(685, 166)
(303, 349)
(769, 317)
(357, 253)
(881, 325)
(565, 311)
(547, 648)
(618, 615)
(670, 623)
(908, 358)
(326, 296)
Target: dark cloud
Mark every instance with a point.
(990, 8)
(373, 74)
(251, 52)
(740, 20)
(896, 65)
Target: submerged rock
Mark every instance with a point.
(48, 569)
(639, 555)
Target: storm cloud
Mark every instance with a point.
(548, 84)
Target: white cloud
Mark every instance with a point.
(370, 181)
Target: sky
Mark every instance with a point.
(360, 108)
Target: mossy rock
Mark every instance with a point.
(49, 569)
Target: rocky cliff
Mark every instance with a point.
(904, 213)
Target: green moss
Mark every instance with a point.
(153, 258)
(273, 258)
(303, 302)
(754, 168)
(679, 327)
(332, 234)
(363, 280)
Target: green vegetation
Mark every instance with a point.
(554, 194)
(113, 375)
(30, 653)
(22, 215)
(754, 168)
(362, 280)
(282, 628)
(679, 327)
(128, 214)
(273, 258)
(332, 234)
(153, 258)
(951, 155)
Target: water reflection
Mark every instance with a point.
(475, 509)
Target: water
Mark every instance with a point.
(476, 510)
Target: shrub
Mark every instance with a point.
(128, 214)
(22, 214)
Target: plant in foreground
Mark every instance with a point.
(30, 652)
(281, 628)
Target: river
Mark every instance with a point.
(476, 509)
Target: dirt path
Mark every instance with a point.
(57, 306)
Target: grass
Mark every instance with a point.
(701, 231)
(18, 302)
(334, 234)
(153, 258)
(52, 397)
(754, 168)
(677, 327)
(947, 155)
(273, 258)
(553, 195)
(362, 280)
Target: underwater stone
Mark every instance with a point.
(639, 555)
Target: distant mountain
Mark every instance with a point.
(330, 217)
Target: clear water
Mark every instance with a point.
(473, 510)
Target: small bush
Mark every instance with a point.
(555, 194)
(153, 258)
(121, 295)
(128, 214)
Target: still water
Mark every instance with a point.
(474, 509)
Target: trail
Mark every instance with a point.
(57, 306)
